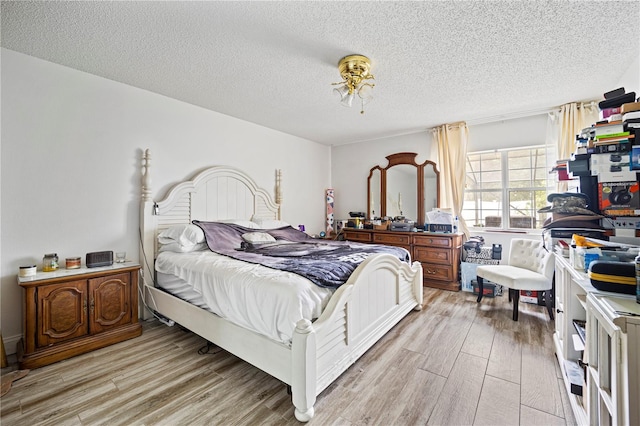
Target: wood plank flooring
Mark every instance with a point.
(453, 363)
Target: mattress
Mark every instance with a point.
(267, 301)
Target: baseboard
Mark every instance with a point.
(10, 343)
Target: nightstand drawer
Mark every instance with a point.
(428, 240)
(432, 255)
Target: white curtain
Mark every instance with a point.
(565, 124)
(451, 140)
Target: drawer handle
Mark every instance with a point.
(429, 271)
(559, 311)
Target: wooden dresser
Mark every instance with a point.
(438, 253)
(72, 311)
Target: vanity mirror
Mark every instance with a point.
(403, 188)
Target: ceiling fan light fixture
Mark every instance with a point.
(355, 71)
(342, 91)
(366, 92)
(348, 100)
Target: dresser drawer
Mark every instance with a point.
(393, 239)
(437, 272)
(364, 237)
(434, 241)
(432, 255)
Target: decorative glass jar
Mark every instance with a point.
(50, 262)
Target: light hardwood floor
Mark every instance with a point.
(453, 363)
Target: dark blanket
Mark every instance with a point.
(324, 262)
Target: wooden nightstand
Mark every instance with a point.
(72, 311)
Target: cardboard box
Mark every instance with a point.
(480, 261)
(579, 165)
(635, 157)
(489, 289)
(467, 274)
(481, 253)
(615, 176)
(618, 195)
(533, 297)
(616, 147)
(381, 225)
(604, 161)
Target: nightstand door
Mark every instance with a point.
(63, 312)
(110, 302)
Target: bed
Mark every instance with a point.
(378, 294)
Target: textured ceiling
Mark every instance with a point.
(272, 63)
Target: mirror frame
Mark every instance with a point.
(394, 160)
(369, 200)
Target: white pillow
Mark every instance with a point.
(246, 223)
(177, 248)
(265, 223)
(257, 237)
(183, 235)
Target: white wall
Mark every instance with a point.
(71, 148)
(630, 80)
(512, 133)
(350, 166)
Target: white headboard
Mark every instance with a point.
(216, 193)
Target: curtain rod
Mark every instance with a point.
(530, 113)
(456, 125)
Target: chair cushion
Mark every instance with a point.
(514, 277)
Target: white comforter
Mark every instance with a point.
(267, 301)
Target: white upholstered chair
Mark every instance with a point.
(530, 267)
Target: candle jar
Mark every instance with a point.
(50, 262)
(72, 262)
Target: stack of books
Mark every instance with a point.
(561, 169)
(582, 142)
(610, 133)
(631, 116)
(611, 107)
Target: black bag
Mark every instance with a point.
(474, 243)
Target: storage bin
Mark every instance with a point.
(489, 289)
(532, 296)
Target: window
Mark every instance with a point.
(510, 183)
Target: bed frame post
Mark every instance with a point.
(147, 232)
(418, 289)
(303, 378)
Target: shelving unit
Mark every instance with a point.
(571, 297)
(613, 367)
(610, 353)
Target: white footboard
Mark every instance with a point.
(377, 296)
